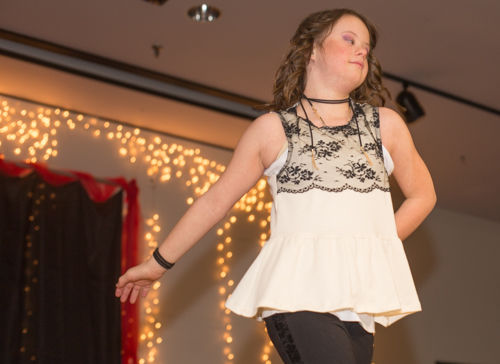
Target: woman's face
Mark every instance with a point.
(342, 58)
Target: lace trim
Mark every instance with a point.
(337, 189)
(286, 338)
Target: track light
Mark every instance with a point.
(413, 110)
(157, 2)
(204, 13)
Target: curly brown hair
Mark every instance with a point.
(290, 77)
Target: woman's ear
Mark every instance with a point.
(313, 53)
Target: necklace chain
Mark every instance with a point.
(324, 101)
(317, 114)
(361, 147)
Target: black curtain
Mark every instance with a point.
(59, 260)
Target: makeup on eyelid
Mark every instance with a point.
(350, 36)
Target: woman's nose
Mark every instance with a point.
(362, 51)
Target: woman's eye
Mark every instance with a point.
(349, 39)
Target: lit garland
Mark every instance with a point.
(250, 203)
(149, 336)
(253, 203)
(225, 254)
(31, 272)
(32, 135)
(35, 136)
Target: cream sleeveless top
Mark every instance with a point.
(333, 246)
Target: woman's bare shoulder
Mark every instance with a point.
(389, 117)
(269, 120)
(393, 128)
(268, 129)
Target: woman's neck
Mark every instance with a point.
(321, 114)
(320, 92)
(332, 114)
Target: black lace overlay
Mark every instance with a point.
(296, 173)
(322, 149)
(376, 147)
(339, 163)
(277, 325)
(375, 119)
(359, 170)
(291, 129)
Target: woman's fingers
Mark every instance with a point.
(134, 294)
(120, 285)
(135, 283)
(131, 291)
(122, 281)
(126, 292)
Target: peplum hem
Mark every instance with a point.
(328, 273)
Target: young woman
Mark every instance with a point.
(334, 264)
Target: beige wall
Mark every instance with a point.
(454, 260)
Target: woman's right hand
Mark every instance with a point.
(138, 280)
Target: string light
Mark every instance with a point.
(254, 204)
(150, 336)
(32, 135)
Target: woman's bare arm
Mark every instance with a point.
(257, 148)
(410, 172)
(250, 158)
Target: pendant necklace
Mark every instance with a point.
(326, 101)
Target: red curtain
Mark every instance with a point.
(100, 191)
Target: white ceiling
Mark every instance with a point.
(449, 45)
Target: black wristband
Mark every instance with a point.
(161, 261)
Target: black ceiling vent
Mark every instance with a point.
(157, 2)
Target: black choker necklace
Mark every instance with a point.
(326, 101)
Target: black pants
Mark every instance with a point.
(306, 337)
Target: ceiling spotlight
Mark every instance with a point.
(413, 110)
(203, 13)
(157, 2)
